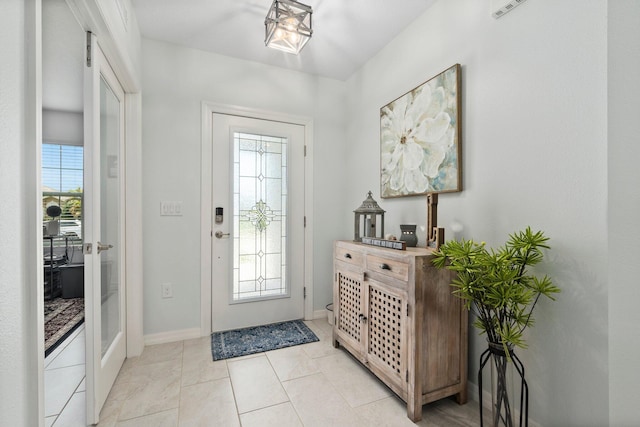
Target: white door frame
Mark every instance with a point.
(206, 210)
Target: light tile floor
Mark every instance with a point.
(178, 384)
(64, 385)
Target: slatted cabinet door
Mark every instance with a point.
(349, 309)
(386, 329)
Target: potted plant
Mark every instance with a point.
(497, 286)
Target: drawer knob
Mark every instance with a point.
(385, 267)
(347, 256)
(362, 317)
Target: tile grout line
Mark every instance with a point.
(284, 389)
(67, 402)
(180, 384)
(233, 391)
(54, 356)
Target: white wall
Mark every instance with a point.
(534, 99)
(20, 354)
(175, 82)
(624, 210)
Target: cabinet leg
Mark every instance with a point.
(461, 397)
(336, 344)
(414, 411)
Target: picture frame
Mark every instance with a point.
(420, 139)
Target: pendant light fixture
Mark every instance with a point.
(288, 26)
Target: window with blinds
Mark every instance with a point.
(62, 185)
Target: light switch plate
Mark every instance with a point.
(168, 208)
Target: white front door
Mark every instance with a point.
(258, 222)
(104, 230)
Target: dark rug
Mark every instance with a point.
(241, 342)
(61, 318)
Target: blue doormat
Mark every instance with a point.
(241, 342)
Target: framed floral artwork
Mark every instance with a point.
(420, 144)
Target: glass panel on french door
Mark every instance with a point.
(259, 217)
(110, 214)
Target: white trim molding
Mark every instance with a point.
(133, 224)
(171, 336)
(320, 314)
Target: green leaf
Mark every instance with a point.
(496, 283)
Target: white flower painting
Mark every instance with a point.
(420, 139)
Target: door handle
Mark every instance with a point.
(220, 234)
(103, 247)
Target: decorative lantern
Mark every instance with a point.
(367, 218)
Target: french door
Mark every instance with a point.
(258, 226)
(104, 229)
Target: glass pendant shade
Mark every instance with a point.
(288, 26)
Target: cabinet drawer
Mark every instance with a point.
(388, 267)
(349, 256)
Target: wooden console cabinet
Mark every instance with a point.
(394, 311)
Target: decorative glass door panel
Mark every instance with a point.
(110, 227)
(259, 216)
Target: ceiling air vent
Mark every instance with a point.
(500, 7)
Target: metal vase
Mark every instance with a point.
(509, 389)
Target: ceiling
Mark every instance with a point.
(346, 33)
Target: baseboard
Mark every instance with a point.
(472, 393)
(171, 336)
(320, 314)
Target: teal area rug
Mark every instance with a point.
(242, 342)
